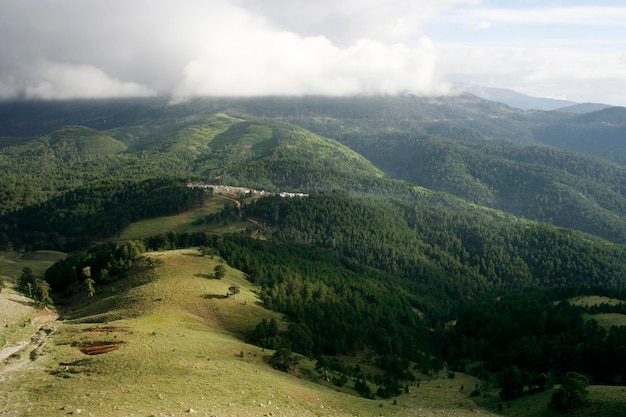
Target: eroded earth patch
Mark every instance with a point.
(98, 348)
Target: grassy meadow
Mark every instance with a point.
(174, 345)
(605, 320)
(594, 300)
(182, 223)
(172, 342)
(12, 263)
(18, 316)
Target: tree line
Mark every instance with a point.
(98, 210)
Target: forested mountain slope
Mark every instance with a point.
(261, 154)
(537, 182)
(601, 133)
(463, 251)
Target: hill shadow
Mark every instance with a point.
(215, 296)
(31, 303)
(205, 276)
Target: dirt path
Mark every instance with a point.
(16, 357)
(238, 204)
(10, 350)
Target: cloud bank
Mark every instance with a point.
(65, 49)
(78, 49)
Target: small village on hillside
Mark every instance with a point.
(246, 192)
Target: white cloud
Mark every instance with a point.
(252, 57)
(77, 48)
(283, 63)
(481, 25)
(73, 48)
(51, 80)
(344, 22)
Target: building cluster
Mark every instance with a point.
(241, 190)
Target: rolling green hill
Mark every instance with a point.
(82, 141)
(66, 143)
(269, 155)
(166, 341)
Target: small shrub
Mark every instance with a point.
(284, 360)
(572, 394)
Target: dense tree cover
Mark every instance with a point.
(335, 305)
(100, 209)
(32, 178)
(599, 133)
(536, 182)
(535, 331)
(463, 252)
(101, 264)
(324, 294)
(531, 330)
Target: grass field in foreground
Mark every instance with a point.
(175, 346)
(17, 312)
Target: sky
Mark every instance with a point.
(64, 49)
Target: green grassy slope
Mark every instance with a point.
(175, 345)
(83, 141)
(64, 143)
(181, 223)
(19, 316)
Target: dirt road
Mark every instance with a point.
(25, 345)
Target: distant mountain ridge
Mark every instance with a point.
(583, 108)
(515, 99)
(526, 102)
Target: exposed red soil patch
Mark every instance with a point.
(98, 348)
